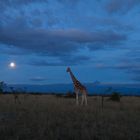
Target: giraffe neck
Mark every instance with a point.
(72, 77)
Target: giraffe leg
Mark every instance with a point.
(77, 102)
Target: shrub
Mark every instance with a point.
(59, 95)
(2, 85)
(115, 96)
(70, 94)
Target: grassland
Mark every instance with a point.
(47, 117)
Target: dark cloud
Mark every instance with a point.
(116, 24)
(4, 4)
(121, 6)
(44, 63)
(10, 50)
(132, 61)
(75, 60)
(64, 61)
(131, 67)
(136, 78)
(37, 22)
(69, 2)
(54, 42)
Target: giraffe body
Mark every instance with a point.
(78, 88)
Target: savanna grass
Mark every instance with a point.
(47, 117)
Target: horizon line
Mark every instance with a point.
(101, 83)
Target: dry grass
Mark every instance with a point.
(46, 117)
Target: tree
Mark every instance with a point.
(2, 85)
(115, 96)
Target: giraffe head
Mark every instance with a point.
(68, 69)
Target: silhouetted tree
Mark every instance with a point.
(115, 96)
(2, 86)
(70, 94)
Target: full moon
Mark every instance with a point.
(12, 65)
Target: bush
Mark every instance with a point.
(115, 96)
(2, 85)
(70, 94)
(59, 95)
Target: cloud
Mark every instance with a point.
(54, 42)
(37, 22)
(63, 61)
(69, 2)
(128, 66)
(132, 61)
(16, 3)
(136, 78)
(131, 67)
(121, 6)
(38, 79)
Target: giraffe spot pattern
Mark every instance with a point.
(79, 85)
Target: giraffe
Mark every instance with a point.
(78, 88)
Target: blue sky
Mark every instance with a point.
(98, 39)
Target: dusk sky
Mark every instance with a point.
(98, 39)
